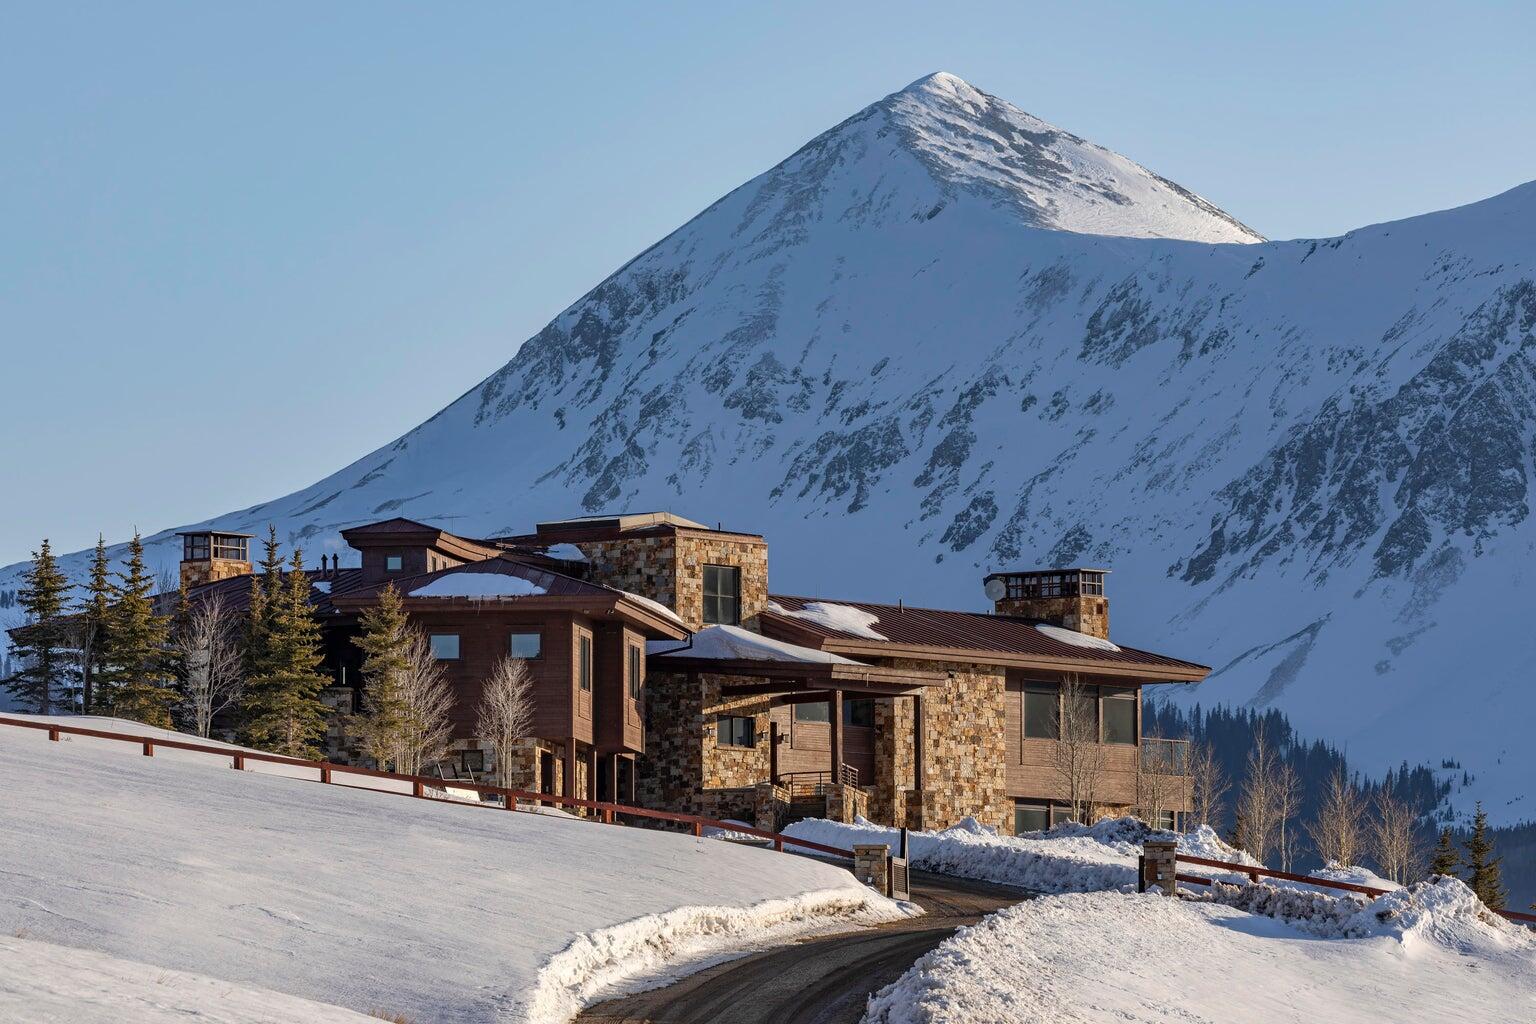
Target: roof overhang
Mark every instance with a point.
(595, 606)
(790, 677)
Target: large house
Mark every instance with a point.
(667, 673)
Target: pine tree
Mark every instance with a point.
(266, 594)
(92, 638)
(1484, 867)
(1444, 860)
(136, 670)
(284, 712)
(384, 642)
(42, 681)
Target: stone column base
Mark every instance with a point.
(844, 803)
(771, 806)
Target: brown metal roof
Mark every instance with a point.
(931, 632)
(553, 584)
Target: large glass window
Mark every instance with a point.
(526, 645)
(722, 595)
(736, 731)
(859, 712)
(584, 663)
(445, 646)
(195, 548)
(1030, 817)
(818, 712)
(636, 670)
(1119, 714)
(1042, 711)
(237, 548)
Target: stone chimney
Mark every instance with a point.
(1070, 598)
(207, 557)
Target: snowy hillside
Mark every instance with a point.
(944, 338)
(239, 882)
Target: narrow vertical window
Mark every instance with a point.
(584, 663)
(722, 595)
(1042, 712)
(636, 666)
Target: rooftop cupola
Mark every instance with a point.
(207, 556)
(1070, 598)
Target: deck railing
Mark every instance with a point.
(1164, 757)
(809, 785)
(424, 787)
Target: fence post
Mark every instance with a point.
(239, 764)
(698, 830)
(417, 789)
(149, 748)
(53, 733)
(325, 775)
(778, 844)
(506, 795)
(1141, 872)
(1162, 863)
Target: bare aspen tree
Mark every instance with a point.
(209, 650)
(1338, 831)
(1257, 799)
(506, 711)
(1287, 805)
(426, 700)
(1394, 844)
(1156, 779)
(1209, 784)
(1079, 755)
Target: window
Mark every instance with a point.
(859, 712)
(393, 563)
(636, 670)
(812, 712)
(472, 761)
(1164, 819)
(526, 645)
(584, 663)
(1030, 817)
(1042, 712)
(195, 548)
(445, 646)
(722, 595)
(736, 731)
(225, 546)
(1119, 714)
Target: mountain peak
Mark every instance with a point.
(975, 142)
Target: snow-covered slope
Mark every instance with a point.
(944, 338)
(356, 899)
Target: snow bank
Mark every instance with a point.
(840, 617)
(1145, 959)
(601, 962)
(1068, 858)
(435, 911)
(41, 983)
(479, 584)
(735, 643)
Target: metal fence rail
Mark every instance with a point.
(426, 788)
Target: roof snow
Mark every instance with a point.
(657, 607)
(839, 617)
(1076, 639)
(732, 643)
(565, 552)
(479, 585)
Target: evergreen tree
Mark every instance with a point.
(385, 644)
(284, 712)
(136, 670)
(42, 680)
(1444, 860)
(266, 595)
(92, 634)
(1484, 867)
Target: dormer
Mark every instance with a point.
(403, 547)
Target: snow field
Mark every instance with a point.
(437, 913)
(1424, 955)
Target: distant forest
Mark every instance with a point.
(1229, 733)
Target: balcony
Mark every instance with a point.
(1164, 757)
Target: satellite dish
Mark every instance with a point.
(995, 589)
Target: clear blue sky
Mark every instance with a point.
(244, 244)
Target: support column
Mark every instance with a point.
(568, 783)
(612, 768)
(835, 718)
(591, 774)
(773, 752)
(918, 772)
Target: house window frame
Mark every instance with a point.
(716, 601)
(196, 548)
(728, 730)
(584, 663)
(394, 563)
(849, 713)
(1115, 696)
(634, 670)
(472, 761)
(458, 649)
(538, 636)
(1047, 691)
(826, 714)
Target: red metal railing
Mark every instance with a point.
(421, 784)
(1253, 874)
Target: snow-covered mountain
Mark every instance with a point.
(946, 338)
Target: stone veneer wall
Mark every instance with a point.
(964, 752)
(1085, 613)
(196, 573)
(670, 568)
(683, 758)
